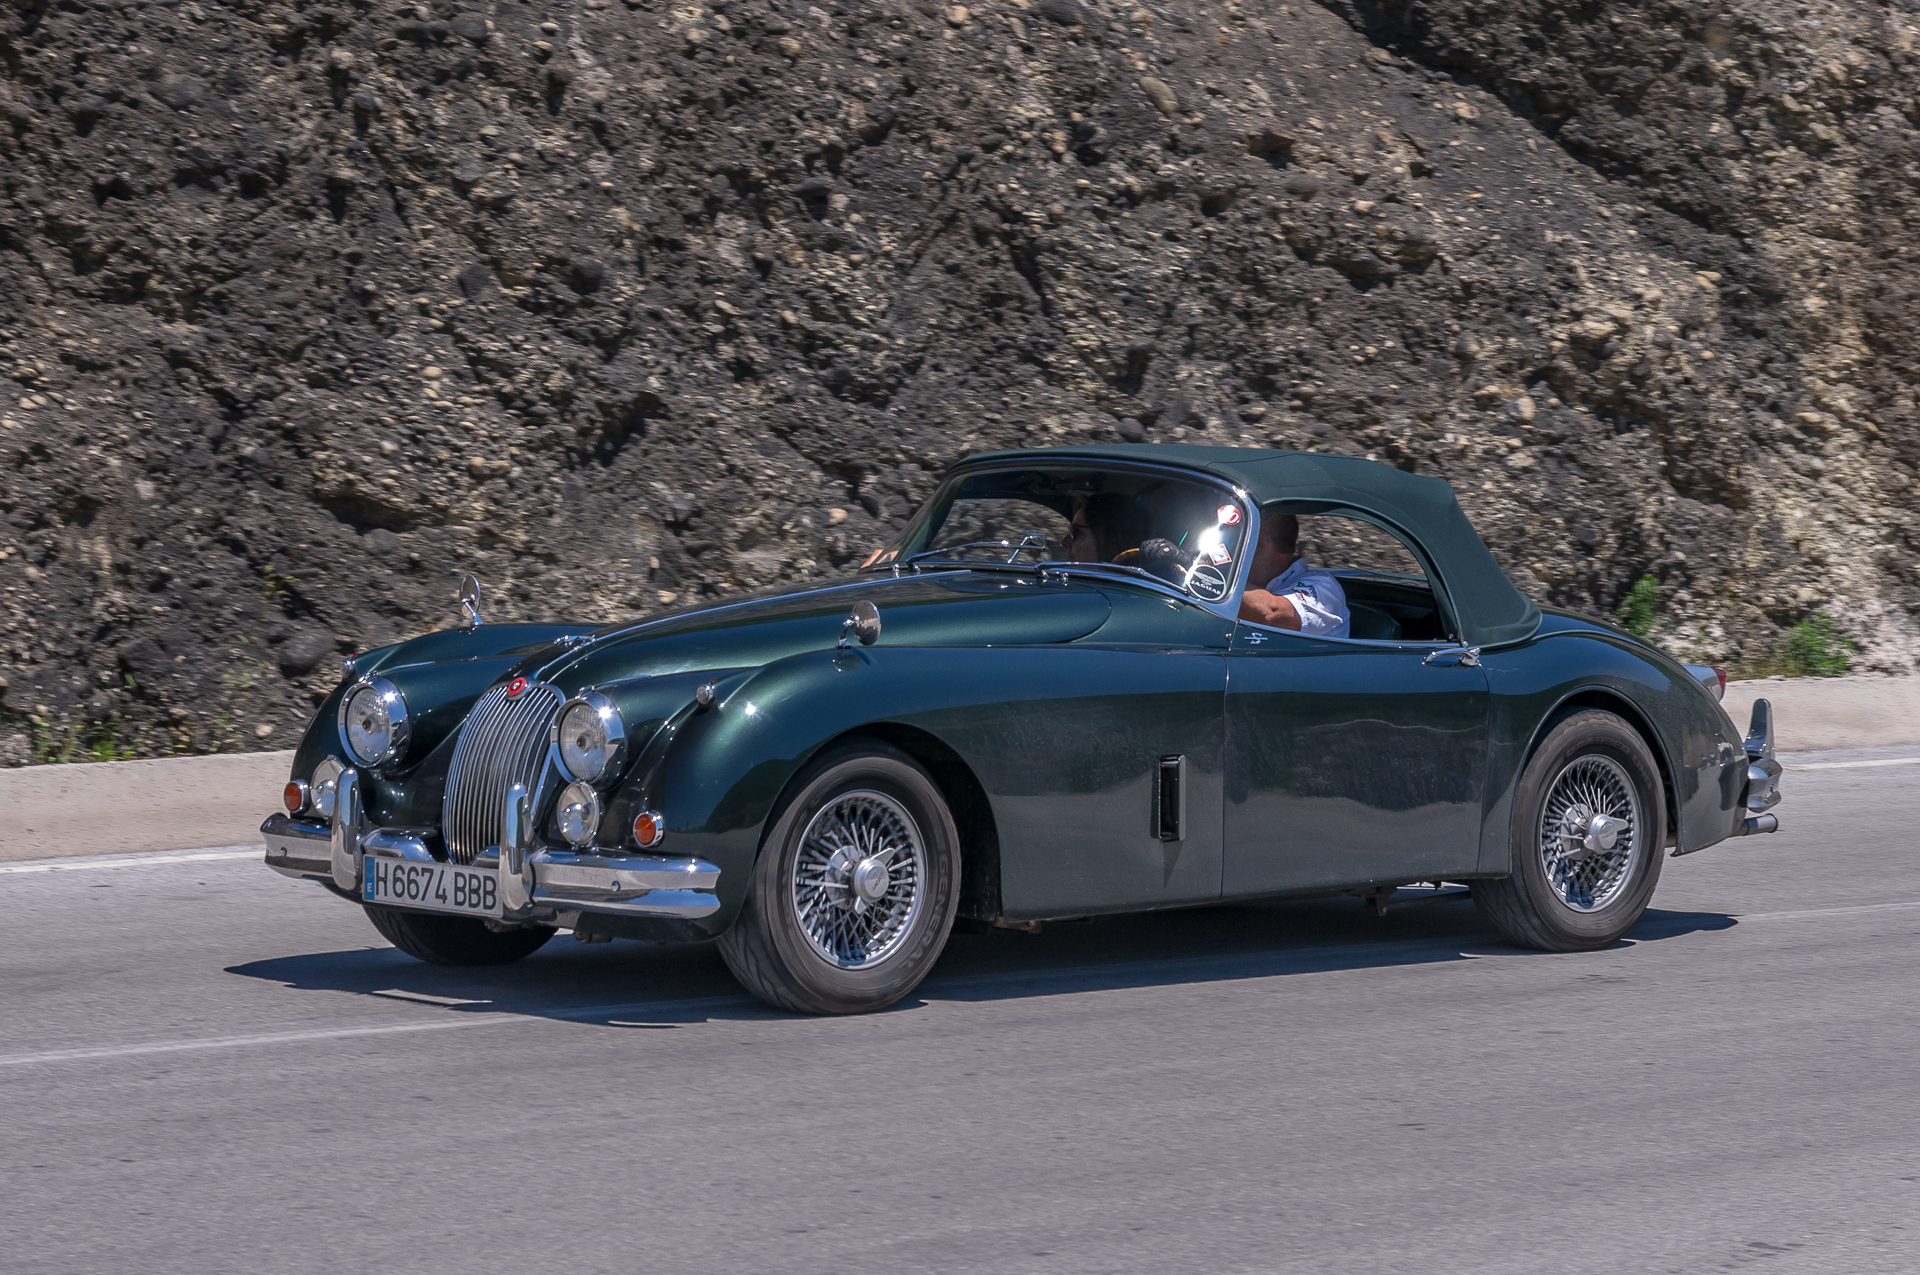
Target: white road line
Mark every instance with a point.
(1813, 914)
(130, 861)
(241, 1042)
(1172, 970)
(1850, 765)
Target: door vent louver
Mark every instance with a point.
(1170, 799)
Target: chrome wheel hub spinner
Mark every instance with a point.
(1590, 836)
(857, 879)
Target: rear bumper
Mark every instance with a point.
(553, 887)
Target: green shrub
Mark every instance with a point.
(1814, 650)
(1636, 609)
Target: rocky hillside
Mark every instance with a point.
(310, 307)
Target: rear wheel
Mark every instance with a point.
(1589, 826)
(854, 892)
(454, 940)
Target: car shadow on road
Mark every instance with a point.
(628, 985)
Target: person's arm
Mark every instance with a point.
(1275, 610)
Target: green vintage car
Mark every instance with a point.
(1041, 701)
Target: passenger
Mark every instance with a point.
(1295, 596)
(1104, 528)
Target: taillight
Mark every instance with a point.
(1719, 683)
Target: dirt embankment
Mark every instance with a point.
(309, 308)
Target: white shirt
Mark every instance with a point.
(1316, 596)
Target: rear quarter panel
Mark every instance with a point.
(1571, 664)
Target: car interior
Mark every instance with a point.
(1091, 515)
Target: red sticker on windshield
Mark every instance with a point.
(1229, 515)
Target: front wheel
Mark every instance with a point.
(855, 889)
(454, 940)
(1589, 824)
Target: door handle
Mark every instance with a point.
(1464, 656)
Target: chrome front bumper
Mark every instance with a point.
(545, 885)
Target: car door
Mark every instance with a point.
(1349, 762)
(1102, 760)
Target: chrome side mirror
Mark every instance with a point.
(863, 623)
(470, 600)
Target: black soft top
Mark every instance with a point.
(1490, 611)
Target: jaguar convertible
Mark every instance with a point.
(1054, 695)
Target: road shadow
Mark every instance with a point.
(628, 985)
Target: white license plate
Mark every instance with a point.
(441, 887)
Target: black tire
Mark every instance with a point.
(455, 940)
(767, 948)
(1528, 907)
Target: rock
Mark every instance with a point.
(1130, 430)
(1521, 409)
(1066, 12)
(588, 274)
(468, 171)
(474, 280)
(471, 25)
(380, 541)
(301, 653)
(181, 92)
(1160, 95)
(1302, 185)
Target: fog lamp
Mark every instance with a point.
(578, 815)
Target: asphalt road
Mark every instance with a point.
(206, 1068)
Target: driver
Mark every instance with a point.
(1296, 596)
(1105, 527)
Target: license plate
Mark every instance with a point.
(440, 887)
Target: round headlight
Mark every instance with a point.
(589, 736)
(578, 815)
(373, 722)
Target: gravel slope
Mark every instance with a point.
(310, 308)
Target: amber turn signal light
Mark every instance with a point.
(294, 796)
(648, 829)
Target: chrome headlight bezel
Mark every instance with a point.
(399, 728)
(608, 721)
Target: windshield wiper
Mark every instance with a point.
(1029, 541)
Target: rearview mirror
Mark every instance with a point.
(863, 623)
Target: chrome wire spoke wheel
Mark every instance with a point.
(858, 879)
(1592, 833)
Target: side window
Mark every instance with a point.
(1385, 591)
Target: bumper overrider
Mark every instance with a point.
(542, 885)
(1762, 790)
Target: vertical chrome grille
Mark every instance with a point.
(503, 743)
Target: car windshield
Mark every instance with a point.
(1186, 533)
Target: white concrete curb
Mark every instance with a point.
(1812, 714)
(184, 803)
(172, 803)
